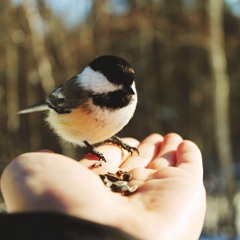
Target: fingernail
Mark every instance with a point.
(45, 150)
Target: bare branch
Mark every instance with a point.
(38, 42)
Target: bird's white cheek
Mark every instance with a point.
(95, 81)
(135, 91)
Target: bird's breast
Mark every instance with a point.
(93, 124)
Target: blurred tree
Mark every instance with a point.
(38, 41)
(221, 103)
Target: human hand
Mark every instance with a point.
(169, 203)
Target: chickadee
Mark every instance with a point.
(94, 105)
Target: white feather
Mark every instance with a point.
(95, 81)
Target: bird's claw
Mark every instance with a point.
(116, 140)
(130, 149)
(93, 151)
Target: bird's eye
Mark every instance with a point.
(60, 100)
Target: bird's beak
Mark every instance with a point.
(129, 90)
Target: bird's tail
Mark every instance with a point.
(35, 108)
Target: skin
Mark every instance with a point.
(170, 202)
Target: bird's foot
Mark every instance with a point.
(92, 150)
(116, 140)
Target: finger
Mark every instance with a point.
(142, 174)
(167, 154)
(148, 149)
(114, 155)
(189, 158)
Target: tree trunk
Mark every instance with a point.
(38, 42)
(221, 102)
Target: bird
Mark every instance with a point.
(94, 105)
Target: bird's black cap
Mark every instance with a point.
(116, 69)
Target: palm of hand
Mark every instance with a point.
(169, 174)
(170, 198)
